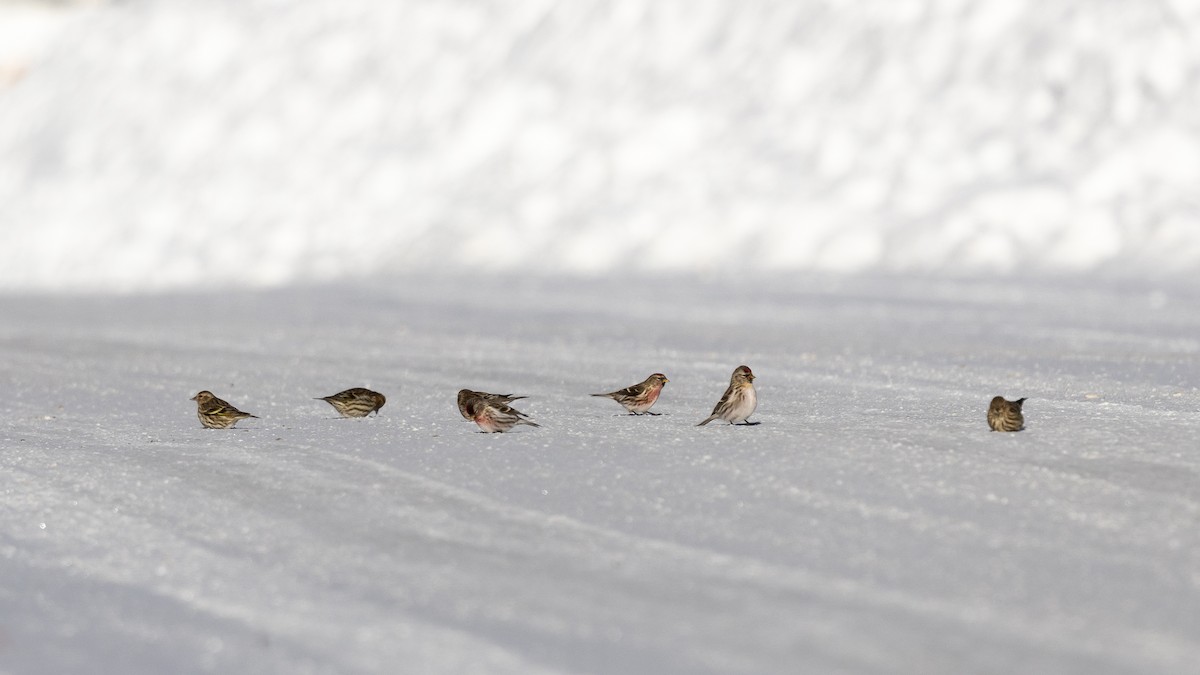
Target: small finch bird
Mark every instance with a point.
(739, 400)
(1006, 415)
(493, 417)
(215, 413)
(638, 398)
(465, 395)
(356, 402)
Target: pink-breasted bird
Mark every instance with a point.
(638, 398)
(465, 395)
(494, 417)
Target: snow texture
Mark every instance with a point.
(870, 524)
(258, 143)
(891, 211)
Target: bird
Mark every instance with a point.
(355, 402)
(493, 417)
(739, 400)
(465, 395)
(638, 398)
(1006, 415)
(215, 413)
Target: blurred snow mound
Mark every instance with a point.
(251, 142)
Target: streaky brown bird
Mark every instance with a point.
(355, 402)
(215, 413)
(1006, 415)
(739, 400)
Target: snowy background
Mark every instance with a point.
(890, 210)
(159, 144)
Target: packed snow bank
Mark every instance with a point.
(163, 144)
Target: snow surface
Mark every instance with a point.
(892, 211)
(870, 524)
(160, 144)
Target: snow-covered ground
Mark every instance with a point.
(892, 211)
(870, 524)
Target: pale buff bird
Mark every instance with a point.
(215, 413)
(465, 395)
(1005, 415)
(638, 398)
(494, 417)
(739, 400)
(355, 402)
